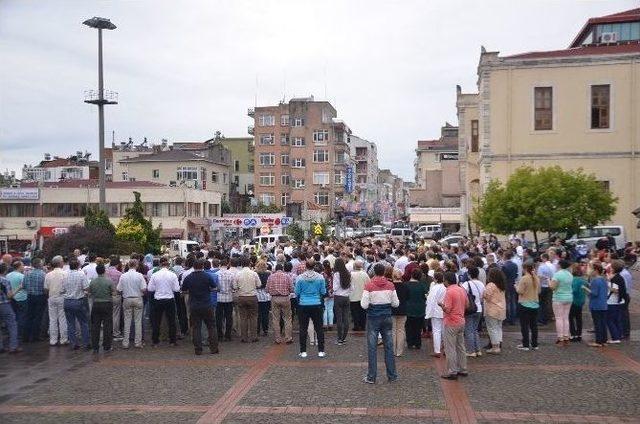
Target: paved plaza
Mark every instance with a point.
(268, 383)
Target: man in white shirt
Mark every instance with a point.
(402, 261)
(545, 273)
(90, 269)
(132, 285)
(57, 318)
(358, 280)
(163, 284)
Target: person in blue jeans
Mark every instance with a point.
(598, 293)
(615, 302)
(7, 316)
(510, 270)
(76, 307)
(378, 297)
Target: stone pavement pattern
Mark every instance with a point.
(267, 383)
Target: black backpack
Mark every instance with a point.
(471, 307)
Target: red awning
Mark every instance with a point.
(171, 233)
(199, 222)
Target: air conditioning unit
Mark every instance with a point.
(609, 37)
(173, 184)
(31, 224)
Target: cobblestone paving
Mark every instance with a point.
(260, 383)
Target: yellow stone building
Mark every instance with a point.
(577, 107)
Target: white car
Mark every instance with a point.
(428, 231)
(452, 240)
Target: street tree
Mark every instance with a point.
(135, 233)
(547, 199)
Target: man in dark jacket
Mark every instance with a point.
(510, 270)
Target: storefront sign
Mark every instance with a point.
(19, 193)
(348, 181)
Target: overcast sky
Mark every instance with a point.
(184, 69)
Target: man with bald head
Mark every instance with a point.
(57, 319)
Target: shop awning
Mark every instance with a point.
(198, 222)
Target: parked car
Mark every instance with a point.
(591, 235)
(401, 234)
(183, 247)
(452, 240)
(432, 231)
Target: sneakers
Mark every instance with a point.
(367, 380)
(613, 341)
(521, 347)
(494, 351)
(479, 353)
(449, 376)
(302, 354)
(321, 354)
(471, 355)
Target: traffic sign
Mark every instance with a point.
(317, 229)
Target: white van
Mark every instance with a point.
(401, 234)
(591, 235)
(183, 247)
(428, 231)
(270, 240)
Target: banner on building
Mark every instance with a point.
(348, 181)
(242, 220)
(19, 193)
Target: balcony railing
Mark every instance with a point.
(108, 97)
(251, 112)
(250, 129)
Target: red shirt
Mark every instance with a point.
(455, 300)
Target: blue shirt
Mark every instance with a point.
(213, 273)
(310, 288)
(33, 282)
(599, 294)
(5, 288)
(16, 278)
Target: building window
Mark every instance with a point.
(125, 176)
(321, 178)
(267, 159)
(299, 183)
(320, 156)
(321, 136)
(475, 135)
(17, 210)
(600, 104)
(224, 178)
(285, 180)
(193, 209)
(605, 185)
(214, 177)
(298, 142)
(322, 198)
(284, 159)
(267, 198)
(236, 180)
(284, 120)
(298, 122)
(236, 166)
(284, 199)
(187, 173)
(176, 209)
(152, 209)
(213, 210)
(155, 174)
(266, 120)
(298, 163)
(338, 177)
(341, 157)
(543, 113)
(267, 179)
(266, 140)
(284, 139)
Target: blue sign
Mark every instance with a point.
(348, 181)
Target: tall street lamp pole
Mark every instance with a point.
(100, 99)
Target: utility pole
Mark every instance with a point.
(100, 99)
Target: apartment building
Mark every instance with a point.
(242, 163)
(54, 169)
(437, 171)
(301, 154)
(576, 107)
(394, 196)
(364, 155)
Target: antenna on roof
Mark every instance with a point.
(255, 99)
(284, 88)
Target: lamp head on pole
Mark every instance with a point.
(99, 23)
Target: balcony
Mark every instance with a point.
(251, 112)
(361, 158)
(250, 129)
(108, 97)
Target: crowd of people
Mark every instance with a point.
(399, 294)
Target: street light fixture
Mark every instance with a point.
(101, 98)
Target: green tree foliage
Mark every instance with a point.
(98, 219)
(296, 232)
(262, 208)
(135, 233)
(544, 199)
(98, 240)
